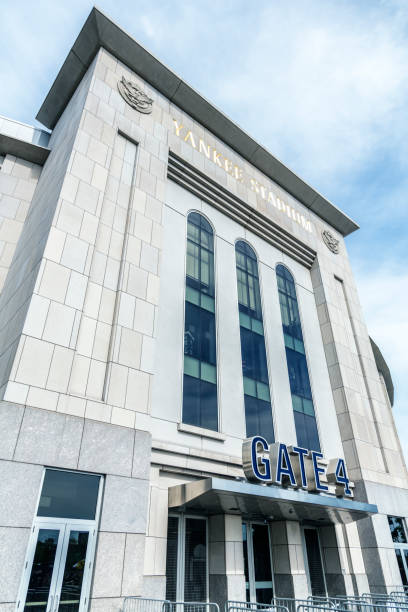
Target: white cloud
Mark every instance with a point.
(329, 80)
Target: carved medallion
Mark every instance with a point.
(135, 97)
(330, 241)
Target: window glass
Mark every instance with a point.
(401, 565)
(195, 560)
(258, 418)
(71, 587)
(42, 569)
(262, 563)
(200, 403)
(171, 559)
(246, 568)
(258, 409)
(257, 563)
(200, 354)
(186, 580)
(69, 495)
(302, 401)
(397, 529)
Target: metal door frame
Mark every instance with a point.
(28, 562)
(87, 566)
(65, 526)
(181, 548)
(250, 552)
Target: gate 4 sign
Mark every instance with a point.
(294, 466)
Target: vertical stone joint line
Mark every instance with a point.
(120, 277)
(79, 386)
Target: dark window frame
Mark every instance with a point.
(259, 417)
(401, 548)
(303, 405)
(200, 376)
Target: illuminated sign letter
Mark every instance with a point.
(178, 127)
(216, 158)
(337, 474)
(238, 173)
(318, 470)
(254, 185)
(190, 136)
(284, 468)
(205, 149)
(299, 465)
(252, 459)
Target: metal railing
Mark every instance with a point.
(400, 595)
(354, 604)
(293, 604)
(244, 606)
(314, 606)
(191, 606)
(144, 604)
(397, 601)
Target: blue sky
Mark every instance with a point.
(323, 84)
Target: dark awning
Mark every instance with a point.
(256, 501)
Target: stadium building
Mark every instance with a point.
(191, 406)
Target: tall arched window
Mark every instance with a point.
(302, 401)
(258, 410)
(200, 355)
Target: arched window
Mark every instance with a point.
(200, 355)
(258, 410)
(302, 401)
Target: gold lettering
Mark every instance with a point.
(228, 165)
(279, 204)
(203, 148)
(263, 192)
(190, 137)
(306, 224)
(238, 173)
(178, 127)
(254, 185)
(271, 199)
(283, 206)
(216, 158)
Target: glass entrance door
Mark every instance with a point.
(257, 562)
(40, 567)
(57, 567)
(186, 562)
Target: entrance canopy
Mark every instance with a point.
(257, 501)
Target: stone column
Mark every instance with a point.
(378, 553)
(335, 565)
(154, 579)
(226, 560)
(288, 560)
(352, 550)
